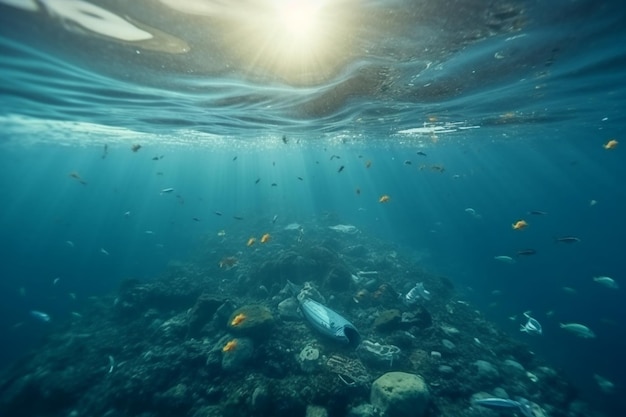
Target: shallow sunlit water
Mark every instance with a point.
(497, 107)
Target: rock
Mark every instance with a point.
(288, 309)
(202, 312)
(448, 344)
(309, 358)
(400, 394)
(260, 400)
(239, 355)
(363, 410)
(500, 393)
(338, 279)
(446, 370)
(388, 320)
(419, 318)
(513, 368)
(251, 320)
(316, 411)
(486, 370)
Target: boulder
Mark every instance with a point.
(238, 354)
(400, 394)
(253, 320)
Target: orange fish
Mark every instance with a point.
(230, 346)
(265, 238)
(612, 144)
(251, 241)
(519, 225)
(239, 318)
(384, 198)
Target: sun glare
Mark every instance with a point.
(299, 18)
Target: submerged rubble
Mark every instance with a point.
(204, 340)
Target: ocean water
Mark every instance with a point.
(468, 114)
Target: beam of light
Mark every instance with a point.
(299, 18)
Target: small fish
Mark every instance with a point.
(569, 290)
(265, 238)
(127, 214)
(155, 158)
(166, 190)
(285, 140)
(274, 184)
(407, 162)
(135, 147)
(578, 329)
(105, 151)
(221, 233)
(537, 213)
(257, 180)
(217, 213)
(195, 219)
(607, 282)
(499, 404)
(40, 315)
(234, 158)
(104, 251)
(605, 385)
(532, 326)
(77, 177)
(505, 259)
(251, 241)
(384, 198)
(334, 156)
(567, 239)
(526, 252)
(519, 225)
(149, 232)
(358, 191)
(69, 243)
(612, 144)
(237, 217)
(56, 281)
(341, 168)
(420, 153)
(274, 218)
(368, 164)
(300, 178)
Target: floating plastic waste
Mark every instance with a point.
(532, 326)
(416, 293)
(369, 350)
(344, 228)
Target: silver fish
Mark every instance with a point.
(40, 315)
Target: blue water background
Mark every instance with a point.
(542, 123)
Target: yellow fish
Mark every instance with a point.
(238, 319)
(612, 144)
(251, 241)
(265, 238)
(384, 199)
(519, 225)
(230, 346)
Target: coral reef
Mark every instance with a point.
(205, 341)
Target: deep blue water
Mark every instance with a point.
(531, 101)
